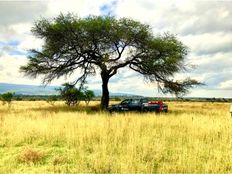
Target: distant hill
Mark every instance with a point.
(22, 89)
(28, 89)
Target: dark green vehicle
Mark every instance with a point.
(139, 104)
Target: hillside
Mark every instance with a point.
(22, 89)
(28, 89)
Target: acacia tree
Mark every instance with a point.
(106, 44)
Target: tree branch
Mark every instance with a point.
(118, 51)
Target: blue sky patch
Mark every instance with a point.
(107, 9)
(11, 48)
(13, 43)
(17, 53)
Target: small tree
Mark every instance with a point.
(71, 94)
(7, 98)
(52, 99)
(88, 96)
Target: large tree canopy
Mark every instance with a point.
(106, 44)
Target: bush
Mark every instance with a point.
(18, 98)
(52, 99)
(88, 96)
(7, 98)
(71, 94)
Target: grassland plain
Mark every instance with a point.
(36, 137)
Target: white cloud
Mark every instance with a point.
(30, 42)
(80, 7)
(13, 12)
(204, 92)
(9, 71)
(133, 85)
(226, 85)
(209, 43)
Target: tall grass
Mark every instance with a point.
(191, 138)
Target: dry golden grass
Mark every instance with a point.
(192, 138)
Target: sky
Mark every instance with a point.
(205, 26)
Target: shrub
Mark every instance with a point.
(7, 98)
(88, 96)
(71, 94)
(52, 99)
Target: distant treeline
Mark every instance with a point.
(120, 98)
(18, 97)
(169, 99)
(193, 99)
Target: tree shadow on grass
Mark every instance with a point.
(63, 108)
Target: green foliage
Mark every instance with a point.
(7, 98)
(88, 95)
(71, 94)
(52, 99)
(18, 98)
(180, 87)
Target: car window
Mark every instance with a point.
(125, 102)
(135, 101)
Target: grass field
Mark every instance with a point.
(36, 137)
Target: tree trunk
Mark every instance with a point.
(105, 91)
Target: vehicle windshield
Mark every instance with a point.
(135, 101)
(125, 102)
